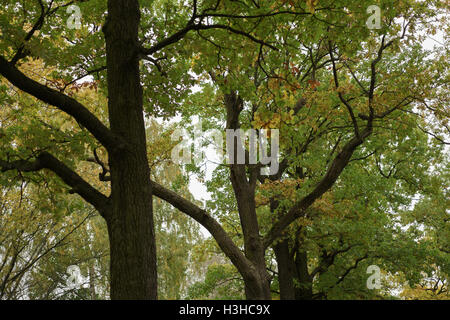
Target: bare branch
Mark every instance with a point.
(191, 26)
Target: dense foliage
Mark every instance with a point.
(87, 168)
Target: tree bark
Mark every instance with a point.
(91, 275)
(130, 224)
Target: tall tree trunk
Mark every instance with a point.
(286, 270)
(257, 285)
(304, 289)
(91, 274)
(293, 276)
(130, 226)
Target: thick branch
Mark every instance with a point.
(63, 102)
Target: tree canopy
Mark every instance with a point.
(92, 94)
